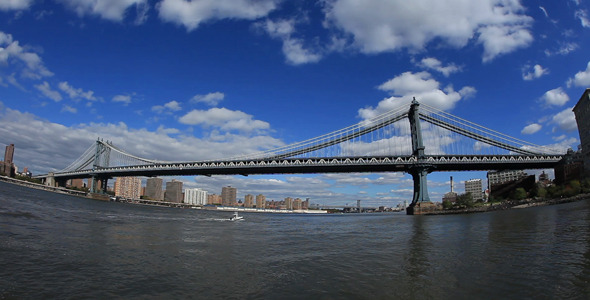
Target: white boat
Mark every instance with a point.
(235, 217)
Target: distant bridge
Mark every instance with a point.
(386, 143)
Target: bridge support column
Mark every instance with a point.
(50, 179)
(420, 200)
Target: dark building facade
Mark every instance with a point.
(582, 113)
(7, 166)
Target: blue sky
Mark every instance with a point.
(192, 80)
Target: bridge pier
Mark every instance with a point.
(50, 179)
(421, 169)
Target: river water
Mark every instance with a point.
(59, 246)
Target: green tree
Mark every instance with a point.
(519, 194)
(465, 200)
(447, 204)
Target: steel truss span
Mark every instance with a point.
(381, 144)
(325, 165)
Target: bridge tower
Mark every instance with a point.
(421, 168)
(101, 159)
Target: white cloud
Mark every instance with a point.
(67, 108)
(46, 90)
(420, 85)
(224, 119)
(191, 14)
(125, 99)
(28, 64)
(581, 78)
(531, 129)
(582, 15)
(499, 40)
(168, 107)
(536, 72)
(390, 25)
(15, 4)
(565, 120)
(564, 49)
(46, 146)
(293, 48)
(113, 10)
(555, 97)
(434, 64)
(209, 99)
(76, 93)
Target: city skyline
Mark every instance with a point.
(194, 82)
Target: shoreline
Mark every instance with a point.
(511, 204)
(101, 197)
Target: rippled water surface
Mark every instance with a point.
(58, 246)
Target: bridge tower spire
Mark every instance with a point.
(421, 169)
(101, 150)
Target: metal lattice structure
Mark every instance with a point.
(416, 141)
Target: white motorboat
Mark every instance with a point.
(236, 217)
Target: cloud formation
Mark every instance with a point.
(211, 99)
(383, 25)
(224, 119)
(15, 4)
(191, 14)
(555, 97)
(113, 10)
(423, 87)
(581, 78)
(535, 72)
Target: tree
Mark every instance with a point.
(519, 194)
(465, 200)
(447, 204)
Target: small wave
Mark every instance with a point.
(18, 214)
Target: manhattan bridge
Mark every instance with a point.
(418, 140)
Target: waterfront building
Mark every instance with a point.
(474, 187)
(229, 196)
(288, 202)
(298, 204)
(153, 189)
(450, 196)
(582, 113)
(195, 196)
(249, 201)
(7, 166)
(128, 187)
(77, 183)
(214, 199)
(501, 177)
(173, 191)
(260, 201)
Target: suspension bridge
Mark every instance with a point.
(432, 140)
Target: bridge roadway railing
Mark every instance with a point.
(326, 165)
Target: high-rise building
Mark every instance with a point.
(582, 113)
(214, 199)
(474, 187)
(128, 187)
(153, 189)
(289, 203)
(249, 200)
(77, 183)
(229, 196)
(500, 177)
(195, 196)
(7, 166)
(297, 204)
(9, 154)
(173, 191)
(260, 201)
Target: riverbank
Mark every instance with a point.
(103, 197)
(511, 204)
